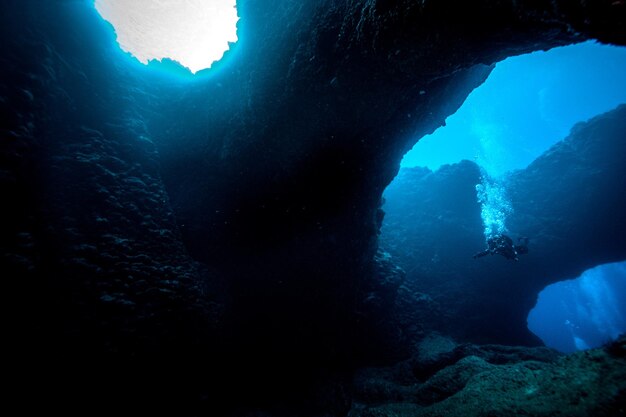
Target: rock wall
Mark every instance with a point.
(347, 87)
(569, 202)
(98, 283)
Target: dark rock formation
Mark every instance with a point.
(98, 282)
(569, 202)
(270, 172)
(534, 382)
(252, 197)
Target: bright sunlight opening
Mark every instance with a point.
(196, 33)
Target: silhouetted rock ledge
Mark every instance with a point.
(500, 381)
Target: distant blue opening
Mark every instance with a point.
(527, 104)
(582, 313)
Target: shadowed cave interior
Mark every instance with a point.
(218, 245)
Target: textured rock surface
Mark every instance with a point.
(569, 202)
(532, 382)
(98, 282)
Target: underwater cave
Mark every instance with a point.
(193, 219)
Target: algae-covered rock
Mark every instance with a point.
(450, 380)
(590, 383)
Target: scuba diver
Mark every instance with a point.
(503, 245)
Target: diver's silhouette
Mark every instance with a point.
(503, 245)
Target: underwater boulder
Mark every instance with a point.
(587, 383)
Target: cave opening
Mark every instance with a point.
(530, 154)
(195, 34)
(582, 313)
(527, 104)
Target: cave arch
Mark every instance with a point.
(446, 232)
(568, 202)
(584, 312)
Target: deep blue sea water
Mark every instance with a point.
(528, 104)
(584, 312)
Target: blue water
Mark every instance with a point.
(527, 104)
(582, 313)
